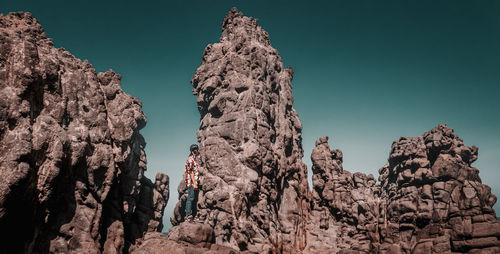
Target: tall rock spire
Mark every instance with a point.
(72, 162)
(254, 190)
(255, 193)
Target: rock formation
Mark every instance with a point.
(184, 238)
(435, 201)
(254, 190)
(72, 165)
(430, 200)
(345, 207)
(71, 157)
(180, 207)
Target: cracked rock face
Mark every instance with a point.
(183, 238)
(71, 156)
(435, 199)
(345, 206)
(72, 165)
(430, 200)
(254, 191)
(254, 185)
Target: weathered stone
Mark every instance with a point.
(193, 233)
(186, 238)
(72, 163)
(456, 195)
(158, 243)
(254, 190)
(71, 156)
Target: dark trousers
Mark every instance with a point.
(191, 201)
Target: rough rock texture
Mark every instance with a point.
(430, 200)
(435, 201)
(345, 207)
(72, 163)
(71, 156)
(183, 238)
(180, 207)
(254, 185)
(254, 191)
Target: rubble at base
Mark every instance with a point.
(183, 238)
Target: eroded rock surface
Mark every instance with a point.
(254, 190)
(430, 200)
(180, 207)
(72, 163)
(190, 238)
(254, 186)
(435, 199)
(345, 206)
(71, 156)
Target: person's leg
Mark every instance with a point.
(195, 202)
(189, 201)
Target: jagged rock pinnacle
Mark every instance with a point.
(71, 156)
(72, 162)
(254, 183)
(241, 29)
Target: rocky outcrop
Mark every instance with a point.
(72, 165)
(345, 206)
(435, 199)
(180, 207)
(254, 191)
(71, 156)
(254, 185)
(430, 200)
(183, 238)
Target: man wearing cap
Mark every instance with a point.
(191, 176)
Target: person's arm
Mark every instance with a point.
(186, 172)
(195, 174)
(195, 185)
(190, 172)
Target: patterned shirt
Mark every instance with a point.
(191, 166)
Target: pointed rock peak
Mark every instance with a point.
(233, 13)
(240, 29)
(23, 23)
(322, 140)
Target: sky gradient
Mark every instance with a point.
(366, 72)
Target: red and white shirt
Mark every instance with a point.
(191, 166)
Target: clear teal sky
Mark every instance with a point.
(366, 72)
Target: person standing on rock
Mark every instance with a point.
(191, 177)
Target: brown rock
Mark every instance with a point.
(198, 241)
(72, 163)
(193, 233)
(484, 229)
(254, 190)
(71, 156)
(456, 196)
(158, 243)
